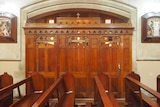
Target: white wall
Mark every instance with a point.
(148, 70)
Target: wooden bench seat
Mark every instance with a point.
(27, 101)
(65, 89)
(135, 97)
(36, 82)
(30, 97)
(6, 98)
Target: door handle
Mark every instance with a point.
(119, 68)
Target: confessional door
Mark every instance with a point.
(42, 57)
(77, 63)
(110, 64)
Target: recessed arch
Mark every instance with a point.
(115, 7)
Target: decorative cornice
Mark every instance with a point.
(55, 31)
(78, 29)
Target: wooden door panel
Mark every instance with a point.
(41, 59)
(81, 87)
(30, 54)
(52, 59)
(94, 59)
(61, 60)
(110, 59)
(81, 83)
(31, 60)
(105, 59)
(94, 63)
(94, 54)
(78, 67)
(115, 83)
(77, 61)
(46, 58)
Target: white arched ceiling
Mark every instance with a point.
(111, 6)
(103, 5)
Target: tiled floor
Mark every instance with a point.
(122, 103)
(80, 103)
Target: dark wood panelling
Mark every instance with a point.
(83, 50)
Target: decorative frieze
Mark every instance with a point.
(78, 31)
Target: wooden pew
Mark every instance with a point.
(65, 88)
(6, 98)
(158, 87)
(36, 82)
(103, 97)
(134, 94)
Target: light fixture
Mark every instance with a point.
(51, 21)
(108, 21)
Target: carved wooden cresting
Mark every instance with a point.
(83, 47)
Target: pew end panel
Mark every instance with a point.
(134, 87)
(67, 98)
(5, 80)
(38, 82)
(36, 85)
(134, 95)
(103, 96)
(6, 98)
(104, 79)
(64, 87)
(158, 87)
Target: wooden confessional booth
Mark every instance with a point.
(82, 46)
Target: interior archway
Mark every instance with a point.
(42, 10)
(81, 12)
(113, 7)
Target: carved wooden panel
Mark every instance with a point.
(30, 54)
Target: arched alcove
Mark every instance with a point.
(114, 8)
